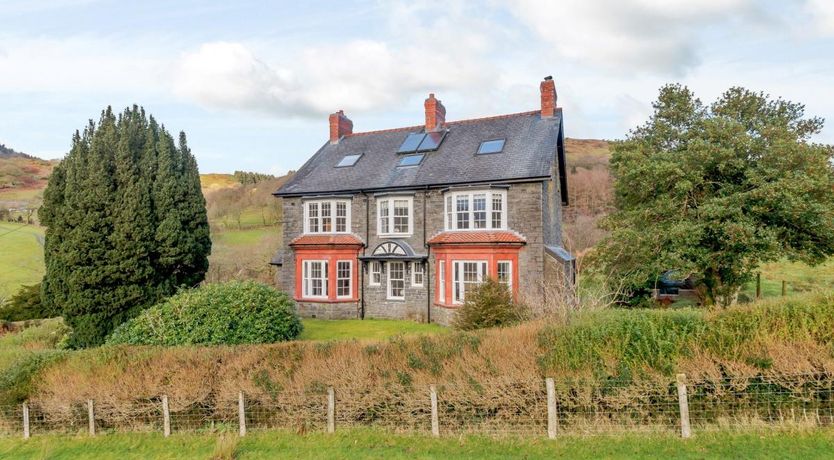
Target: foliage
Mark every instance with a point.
(26, 304)
(250, 178)
(628, 345)
(231, 313)
(714, 192)
(323, 329)
(126, 224)
(490, 304)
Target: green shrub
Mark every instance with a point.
(25, 305)
(229, 313)
(16, 380)
(490, 304)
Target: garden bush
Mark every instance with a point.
(229, 313)
(488, 305)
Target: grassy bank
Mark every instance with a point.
(366, 444)
(21, 256)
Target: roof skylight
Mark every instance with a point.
(349, 160)
(422, 142)
(411, 160)
(411, 142)
(493, 146)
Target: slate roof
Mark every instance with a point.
(529, 152)
(477, 237)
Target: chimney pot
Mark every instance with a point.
(340, 126)
(435, 114)
(548, 97)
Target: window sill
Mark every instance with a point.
(395, 235)
(325, 300)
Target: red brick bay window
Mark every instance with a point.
(326, 268)
(465, 259)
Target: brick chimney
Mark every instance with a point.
(548, 90)
(435, 114)
(340, 125)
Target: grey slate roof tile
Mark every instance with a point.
(529, 152)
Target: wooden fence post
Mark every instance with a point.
(241, 413)
(435, 420)
(25, 420)
(759, 285)
(91, 417)
(166, 417)
(683, 402)
(331, 410)
(784, 288)
(552, 420)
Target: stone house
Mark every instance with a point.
(401, 223)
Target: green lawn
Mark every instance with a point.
(21, 256)
(362, 444)
(245, 237)
(322, 329)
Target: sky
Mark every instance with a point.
(252, 82)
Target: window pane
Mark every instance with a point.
(326, 223)
(417, 269)
(400, 216)
(343, 277)
(479, 208)
(376, 273)
(450, 224)
(341, 216)
(348, 160)
(431, 141)
(411, 160)
(494, 146)
(383, 217)
(505, 273)
(462, 212)
(442, 276)
(411, 142)
(313, 217)
(497, 209)
(396, 279)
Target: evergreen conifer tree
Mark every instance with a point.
(126, 224)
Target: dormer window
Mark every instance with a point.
(493, 146)
(327, 216)
(476, 210)
(349, 160)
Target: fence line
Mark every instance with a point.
(531, 408)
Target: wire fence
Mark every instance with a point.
(533, 407)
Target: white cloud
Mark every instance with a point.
(629, 35)
(822, 12)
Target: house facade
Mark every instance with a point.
(401, 223)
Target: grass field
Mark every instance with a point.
(366, 444)
(21, 256)
(321, 329)
(799, 277)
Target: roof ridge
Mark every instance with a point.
(456, 122)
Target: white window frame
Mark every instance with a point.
(375, 269)
(307, 280)
(509, 282)
(414, 270)
(390, 278)
(450, 201)
(349, 279)
(388, 203)
(334, 206)
(458, 275)
(441, 275)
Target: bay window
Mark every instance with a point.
(394, 216)
(327, 216)
(476, 210)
